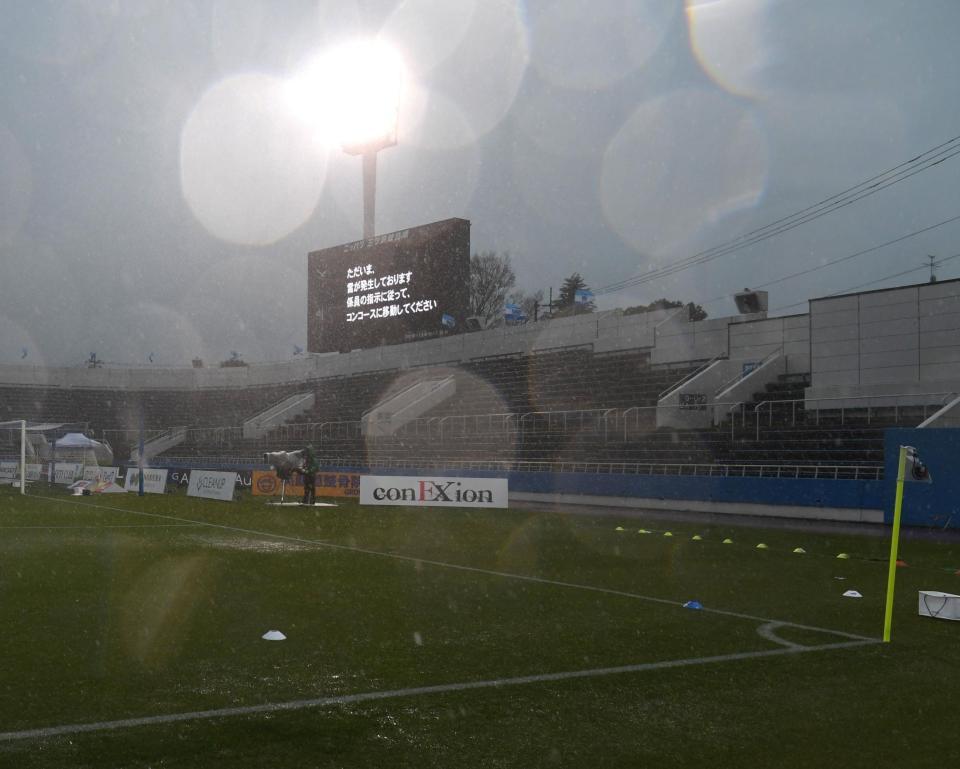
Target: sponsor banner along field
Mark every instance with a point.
(154, 480)
(67, 472)
(266, 483)
(433, 492)
(212, 484)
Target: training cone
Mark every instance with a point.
(696, 538)
(799, 550)
(668, 533)
(619, 528)
(643, 531)
(728, 541)
(901, 563)
(693, 605)
(273, 635)
(762, 546)
(852, 594)
(843, 556)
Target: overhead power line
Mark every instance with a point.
(870, 283)
(918, 164)
(841, 259)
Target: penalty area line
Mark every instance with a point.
(351, 699)
(471, 569)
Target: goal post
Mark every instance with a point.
(13, 434)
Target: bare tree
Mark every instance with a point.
(491, 278)
(527, 302)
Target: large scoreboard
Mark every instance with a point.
(393, 288)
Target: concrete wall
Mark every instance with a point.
(742, 390)
(670, 412)
(678, 340)
(388, 416)
(753, 340)
(720, 386)
(897, 341)
(606, 331)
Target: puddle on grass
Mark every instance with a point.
(250, 544)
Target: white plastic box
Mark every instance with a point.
(940, 605)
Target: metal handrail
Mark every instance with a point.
(696, 372)
(733, 470)
(740, 375)
(742, 406)
(817, 400)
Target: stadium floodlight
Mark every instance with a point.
(351, 94)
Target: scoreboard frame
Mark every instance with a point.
(389, 289)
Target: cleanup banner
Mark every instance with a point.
(95, 473)
(266, 483)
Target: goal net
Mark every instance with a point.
(59, 453)
(13, 453)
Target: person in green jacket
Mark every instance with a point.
(309, 472)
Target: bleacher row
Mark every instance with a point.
(536, 399)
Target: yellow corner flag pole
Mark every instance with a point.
(894, 544)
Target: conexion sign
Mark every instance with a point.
(432, 491)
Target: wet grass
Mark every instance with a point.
(157, 607)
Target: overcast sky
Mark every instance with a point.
(158, 199)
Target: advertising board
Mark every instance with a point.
(433, 491)
(212, 484)
(67, 472)
(267, 484)
(154, 480)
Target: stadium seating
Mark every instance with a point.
(567, 405)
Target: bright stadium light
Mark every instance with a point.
(351, 94)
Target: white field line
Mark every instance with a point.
(769, 632)
(471, 569)
(349, 699)
(107, 526)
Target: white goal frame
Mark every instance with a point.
(23, 450)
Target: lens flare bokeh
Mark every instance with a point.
(731, 42)
(249, 171)
(680, 163)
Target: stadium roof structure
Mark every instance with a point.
(881, 290)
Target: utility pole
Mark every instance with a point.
(933, 263)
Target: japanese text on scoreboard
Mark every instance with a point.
(393, 288)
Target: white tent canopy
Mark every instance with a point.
(77, 441)
(77, 447)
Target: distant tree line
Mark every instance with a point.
(492, 287)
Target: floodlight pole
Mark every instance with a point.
(369, 192)
(368, 151)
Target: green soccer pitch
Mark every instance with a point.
(130, 636)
